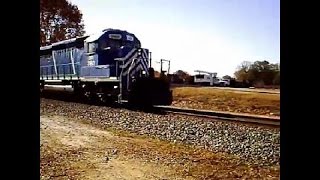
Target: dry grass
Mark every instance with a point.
(192, 162)
(227, 100)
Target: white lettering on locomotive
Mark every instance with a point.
(129, 38)
(115, 36)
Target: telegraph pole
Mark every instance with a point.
(161, 66)
(164, 60)
(161, 61)
(150, 59)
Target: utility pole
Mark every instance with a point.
(161, 66)
(164, 60)
(161, 61)
(150, 59)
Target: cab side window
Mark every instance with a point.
(91, 47)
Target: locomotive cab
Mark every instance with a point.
(104, 48)
(114, 45)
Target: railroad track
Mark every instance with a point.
(227, 116)
(214, 115)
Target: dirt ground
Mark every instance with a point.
(71, 149)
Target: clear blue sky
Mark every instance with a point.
(211, 35)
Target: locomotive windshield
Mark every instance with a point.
(114, 43)
(117, 40)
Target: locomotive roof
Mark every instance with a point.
(96, 36)
(64, 42)
(91, 38)
(45, 47)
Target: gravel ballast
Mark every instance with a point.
(254, 145)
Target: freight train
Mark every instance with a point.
(110, 66)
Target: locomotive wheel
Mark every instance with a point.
(106, 100)
(91, 98)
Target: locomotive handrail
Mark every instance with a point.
(119, 59)
(120, 80)
(107, 48)
(54, 61)
(89, 54)
(102, 66)
(128, 74)
(72, 61)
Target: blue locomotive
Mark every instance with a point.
(109, 66)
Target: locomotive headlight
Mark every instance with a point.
(139, 52)
(115, 87)
(143, 72)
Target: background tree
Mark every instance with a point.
(259, 72)
(182, 74)
(276, 80)
(180, 77)
(227, 77)
(59, 20)
(242, 73)
(190, 80)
